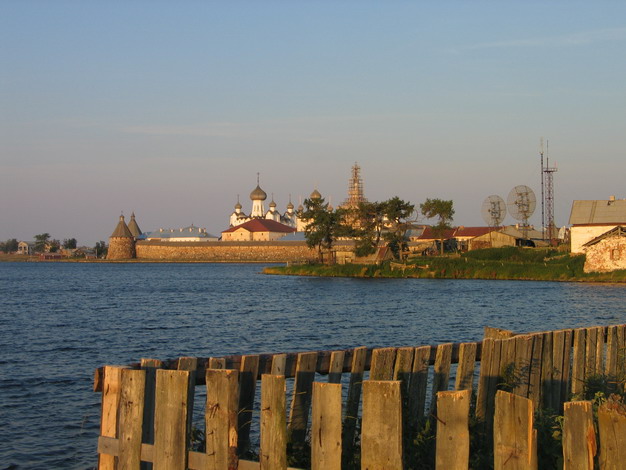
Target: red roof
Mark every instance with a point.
(428, 234)
(474, 231)
(262, 225)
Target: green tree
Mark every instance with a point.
(10, 246)
(368, 222)
(323, 226)
(101, 249)
(398, 214)
(69, 243)
(444, 212)
(41, 241)
(54, 245)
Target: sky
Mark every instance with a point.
(170, 109)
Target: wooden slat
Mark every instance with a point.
(221, 419)
(417, 387)
(556, 373)
(513, 432)
(590, 351)
(150, 366)
(111, 392)
(611, 352)
(279, 364)
(326, 427)
(495, 377)
(537, 361)
(301, 401)
(579, 436)
(352, 403)
(441, 369)
(484, 378)
(465, 369)
(381, 436)
(497, 333)
(247, 388)
(383, 360)
(336, 367)
(578, 362)
(453, 440)
(567, 368)
(189, 364)
(170, 420)
(216, 363)
(601, 333)
(133, 387)
(523, 353)
(273, 455)
(612, 432)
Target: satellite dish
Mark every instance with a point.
(522, 203)
(493, 210)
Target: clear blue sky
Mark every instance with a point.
(169, 109)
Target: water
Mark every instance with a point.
(58, 322)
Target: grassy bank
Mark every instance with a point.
(497, 263)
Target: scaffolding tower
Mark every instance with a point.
(355, 189)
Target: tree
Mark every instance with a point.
(41, 241)
(10, 246)
(398, 212)
(368, 222)
(323, 226)
(444, 211)
(69, 243)
(101, 249)
(54, 245)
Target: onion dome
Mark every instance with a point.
(290, 205)
(272, 204)
(300, 208)
(121, 231)
(315, 194)
(238, 206)
(258, 194)
(330, 208)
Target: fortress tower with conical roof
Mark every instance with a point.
(122, 241)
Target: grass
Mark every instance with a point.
(509, 263)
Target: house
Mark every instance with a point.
(25, 248)
(590, 219)
(606, 252)
(185, 234)
(257, 230)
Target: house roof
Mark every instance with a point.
(121, 231)
(429, 234)
(186, 232)
(262, 225)
(598, 212)
(472, 232)
(619, 231)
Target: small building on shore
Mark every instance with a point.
(257, 230)
(606, 252)
(590, 219)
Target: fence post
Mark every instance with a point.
(301, 402)
(326, 427)
(383, 360)
(335, 369)
(170, 420)
(453, 440)
(352, 402)
(131, 418)
(579, 436)
(465, 369)
(221, 419)
(248, 373)
(417, 387)
(110, 405)
(578, 364)
(612, 430)
(513, 439)
(150, 366)
(381, 435)
(273, 455)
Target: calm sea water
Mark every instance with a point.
(58, 322)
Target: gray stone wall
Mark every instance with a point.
(121, 248)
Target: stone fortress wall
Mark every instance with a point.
(225, 251)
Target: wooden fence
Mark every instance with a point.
(147, 408)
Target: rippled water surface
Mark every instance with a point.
(58, 322)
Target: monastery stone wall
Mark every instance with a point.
(225, 251)
(121, 248)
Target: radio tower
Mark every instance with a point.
(547, 196)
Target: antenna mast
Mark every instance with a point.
(548, 172)
(543, 217)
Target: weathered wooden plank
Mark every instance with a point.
(418, 385)
(591, 343)
(465, 369)
(221, 419)
(381, 436)
(600, 346)
(326, 427)
(133, 387)
(611, 352)
(216, 363)
(383, 360)
(513, 432)
(150, 366)
(555, 377)
(279, 364)
(301, 402)
(247, 388)
(578, 362)
(336, 367)
(189, 364)
(567, 368)
(537, 359)
(170, 420)
(523, 353)
(495, 378)
(621, 350)
(111, 392)
(441, 369)
(273, 455)
(484, 378)
(453, 440)
(579, 436)
(352, 402)
(612, 432)
(497, 333)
